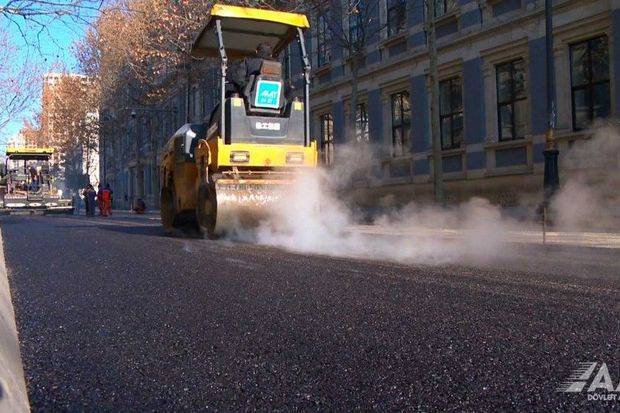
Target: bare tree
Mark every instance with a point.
(20, 72)
(42, 12)
(70, 122)
(18, 82)
(351, 26)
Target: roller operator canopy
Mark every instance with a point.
(244, 28)
(28, 154)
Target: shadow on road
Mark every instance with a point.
(135, 230)
(153, 230)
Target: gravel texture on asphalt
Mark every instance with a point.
(114, 316)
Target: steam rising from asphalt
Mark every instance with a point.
(313, 218)
(590, 197)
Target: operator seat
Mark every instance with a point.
(270, 71)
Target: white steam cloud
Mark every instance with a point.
(589, 198)
(312, 218)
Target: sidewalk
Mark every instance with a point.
(532, 234)
(13, 393)
(129, 212)
(528, 236)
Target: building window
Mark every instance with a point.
(401, 123)
(511, 100)
(327, 138)
(361, 124)
(451, 113)
(324, 39)
(443, 7)
(356, 24)
(396, 16)
(589, 81)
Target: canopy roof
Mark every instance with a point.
(244, 28)
(19, 153)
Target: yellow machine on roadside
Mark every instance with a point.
(230, 170)
(27, 186)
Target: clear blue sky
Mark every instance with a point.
(50, 50)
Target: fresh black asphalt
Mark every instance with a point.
(115, 316)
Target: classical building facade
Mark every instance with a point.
(492, 93)
(492, 61)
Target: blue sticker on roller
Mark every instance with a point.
(268, 94)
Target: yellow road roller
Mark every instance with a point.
(231, 170)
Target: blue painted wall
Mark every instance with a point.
(615, 69)
(471, 18)
(417, 39)
(447, 29)
(452, 164)
(505, 6)
(336, 18)
(419, 114)
(538, 85)
(476, 160)
(337, 71)
(421, 167)
(339, 122)
(400, 169)
(325, 77)
(374, 28)
(473, 101)
(537, 152)
(415, 12)
(510, 157)
(373, 57)
(375, 116)
(397, 48)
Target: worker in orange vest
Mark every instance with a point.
(106, 201)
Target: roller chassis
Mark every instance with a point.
(29, 204)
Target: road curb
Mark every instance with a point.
(13, 393)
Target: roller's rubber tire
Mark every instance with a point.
(167, 211)
(206, 210)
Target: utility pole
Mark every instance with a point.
(551, 177)
(434, 84)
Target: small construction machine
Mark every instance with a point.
(27, 187)
(231, 169)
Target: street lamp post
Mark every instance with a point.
(551, 177)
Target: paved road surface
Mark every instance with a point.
(112, 315)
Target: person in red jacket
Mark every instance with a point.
(100, 199)
(106, 201)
